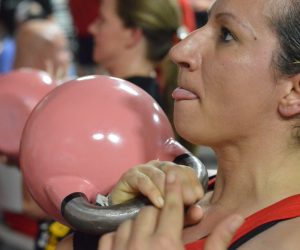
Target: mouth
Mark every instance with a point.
(181, 94)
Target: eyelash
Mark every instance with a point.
(224, 33)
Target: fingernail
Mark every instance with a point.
(171, 177)
(160, 201)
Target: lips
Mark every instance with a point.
(180, 94)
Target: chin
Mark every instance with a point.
(183, 128)
(192, 132)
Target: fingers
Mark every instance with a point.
(56, 71)
(191, 187)
(148, 179)
(122, 235)
(117, 240)
(193, 215)
(61, 73)
(106, 242)
(49, 67)
(221, 236)
(172, 214)
(136, 182)
(145, 222)
(152, 228)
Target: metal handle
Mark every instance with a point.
(92, 219)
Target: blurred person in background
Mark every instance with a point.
(25, 226)
(132, 38)
(12, 14)
(42, 44)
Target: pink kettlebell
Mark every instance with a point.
(82, 137)
(20, 91)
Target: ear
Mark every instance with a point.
(289, 104)
(135, 35)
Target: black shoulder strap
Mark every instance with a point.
(253, 233)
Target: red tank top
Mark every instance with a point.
(21, 223)
(287, 208)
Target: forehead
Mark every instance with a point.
(255, 8)
(255, 13)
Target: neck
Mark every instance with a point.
(250, 178)
(131, 62)
(252, 174)
(134, 68)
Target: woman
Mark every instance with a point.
(239, 93)
(133, 37)
(132, 40)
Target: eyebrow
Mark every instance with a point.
(234, 18)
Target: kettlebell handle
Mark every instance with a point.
(93, 219)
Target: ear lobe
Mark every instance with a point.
(289, 105)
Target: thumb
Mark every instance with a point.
(193, 215)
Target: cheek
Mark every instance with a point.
(105, 38)
(100, 42)
(237, 76)
(100, 34)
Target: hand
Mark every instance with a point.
(152, 228)
(148, 179)
(221, 236)
(58, 73)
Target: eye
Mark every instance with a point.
(100, 18)
(226, 35)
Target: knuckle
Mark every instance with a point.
(158, 175)
(148, 210)
(166, 165)
(143, 180)
(153, 163)
(131, 172)
(172, 204)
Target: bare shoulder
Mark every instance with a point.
(283, 236)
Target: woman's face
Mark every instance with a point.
(109, 34)
(226, 80)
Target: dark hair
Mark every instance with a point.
(158, 19)
(286, 23)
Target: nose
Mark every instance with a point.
(183, 54)
(92, 28)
